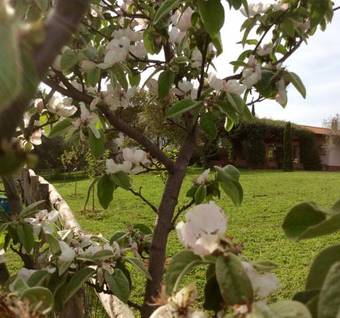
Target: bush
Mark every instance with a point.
(287, 148)
(309, 151)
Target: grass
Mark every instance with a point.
(257, 223)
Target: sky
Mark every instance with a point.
(317, 64)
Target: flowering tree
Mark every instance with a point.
(164, 50)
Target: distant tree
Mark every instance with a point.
(287, 148)
(333, 123)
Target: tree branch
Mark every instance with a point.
(58, 30)
(116, 122)
(139, 194)
(12, 195)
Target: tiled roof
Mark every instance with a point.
(317, 130)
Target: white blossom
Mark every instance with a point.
(43, 220)
(35, 138)
(134, 155)
(255, 8)
(266, 49)
(233, 86)
(116, 51)
(180, 303)
(281, 6)
(133, 36)
(87, 119)
(264, 284)
(25, 273)
(118, 97)
(252, 72)
(87, 65)
(204, 225)
(120, 140)
(203, 177)
(63, 107)
(67, 253)
(184, 22)
(281, 96)
(196, 58)
(152, 86)
(185, 86)
(113, 167)
(39, 104)
(215, 83)
(138, 50)
(176, 35)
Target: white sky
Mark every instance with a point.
(318, 65)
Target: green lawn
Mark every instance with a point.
(257, 223)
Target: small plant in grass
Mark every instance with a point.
(70, 161)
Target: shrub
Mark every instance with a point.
(287, 148)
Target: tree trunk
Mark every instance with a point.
(163, 225)
(75, 307)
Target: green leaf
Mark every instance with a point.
(142, 228)
(38, 278)
(329, 226)
(266, 86)
(200, 194)
(25, 234)
(76, 282)
(264, 266)
(329, 299)
(102, 255)
(230, 185)
(165, 81)
(42, 4)
(122, 180)
(212, 15)
(138, 264)
(31, 209)
(118, 74)
(321, 265)
(10, 62)
(296, 81)
(288, 309)
(212, 296)
(181, 107)
(149, 38)
(119, 284)
(232, 172)
(68, 60)
(40, 298)
(97, 145)
(93, 76)
(179, 265)
(134, 77)
(59, 128)
(301, 218)
(165, 7)
(208, 125)
(53, 243)
(236, 4)
(234, 284)
(238, 103)
(105, 188)
(217, 41)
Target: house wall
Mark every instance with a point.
(333, 156)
